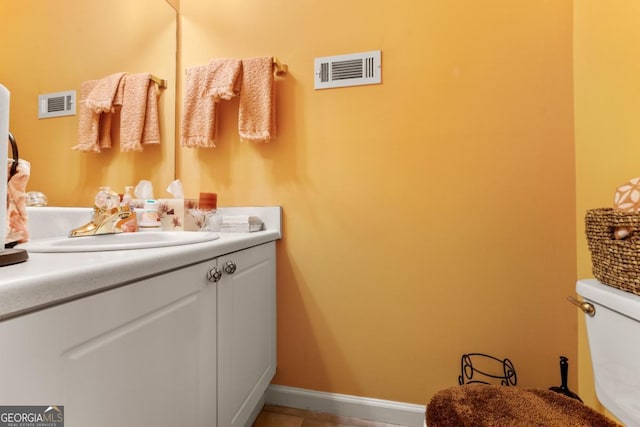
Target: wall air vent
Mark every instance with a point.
(355, 69)
(57, 104)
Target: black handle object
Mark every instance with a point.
(564, 369)
(564, 389)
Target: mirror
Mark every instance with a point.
(52, 46)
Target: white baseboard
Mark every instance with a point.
(386, 411)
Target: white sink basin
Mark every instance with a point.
(116, 242)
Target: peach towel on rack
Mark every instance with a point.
(106, 117)
(256, 118)
(151, 131)
(17, 230)
(94, 116)
(101, 97)
(88, 121)
(198, 127)
(139, 114)
(222, 80)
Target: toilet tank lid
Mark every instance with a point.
(610, 297)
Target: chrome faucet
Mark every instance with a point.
(108, 221)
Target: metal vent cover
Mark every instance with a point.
(354, 69)
(57, 104)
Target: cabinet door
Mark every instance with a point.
(131, 356)
(246, 332)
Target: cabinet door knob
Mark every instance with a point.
(214, 275)
(229, 267)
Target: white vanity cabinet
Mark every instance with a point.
(170, 350)
(136, 355)
(246, 331)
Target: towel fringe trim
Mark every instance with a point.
(259, 137)
(87, 148)
(197, 142)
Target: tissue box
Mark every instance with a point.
(240, 224)
(174, 214)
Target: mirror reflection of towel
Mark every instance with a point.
(131, 96)
(257, 118)
(94, 125)
(17, 231)
(139, 114)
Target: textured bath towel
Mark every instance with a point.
(198, 128)
(101, 97)
(17, 230)
(256, 118)
(94, 124)
(136, 122)
(106, 117)
(151, 131)
(88, 121)
(223, 78)
(501, 406)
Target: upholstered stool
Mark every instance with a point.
(500, 406)
(487, 395)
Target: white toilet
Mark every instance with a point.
(614, 339)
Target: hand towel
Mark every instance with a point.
(134, 111)
(17, 230)
(151, 131)
(88, 121)
(104, 130)
(198, 128)
(222, 80)
(256, 118)
(94, 124)
(106, 118)
(101, 97)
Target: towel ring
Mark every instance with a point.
(14, 150)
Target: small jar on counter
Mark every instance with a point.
(207, 207)
(149, 220)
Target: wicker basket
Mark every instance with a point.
(616, 263)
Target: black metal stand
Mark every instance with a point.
(468, 373)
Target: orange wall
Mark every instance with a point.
(52, 46)
(607, 129)
(425, 217)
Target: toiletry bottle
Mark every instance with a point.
(127, 198)
(126, 205)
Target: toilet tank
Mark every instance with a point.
(614, 341)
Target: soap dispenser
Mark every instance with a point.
(127, 198)
(127, 205)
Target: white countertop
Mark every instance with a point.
(46, 279)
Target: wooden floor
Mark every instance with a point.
(280, 416)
